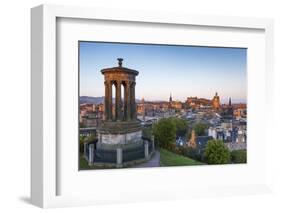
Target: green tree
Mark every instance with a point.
(216, 152)
(165, 133)
(200, 128)
(181, 126)
(239, 156)
(91, 138)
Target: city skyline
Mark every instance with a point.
(182, 71)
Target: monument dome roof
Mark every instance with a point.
(120, 68)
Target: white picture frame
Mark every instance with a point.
(44, 154)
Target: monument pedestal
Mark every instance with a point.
(123, 134)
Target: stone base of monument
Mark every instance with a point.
(125, 134)
(119, 144)
(132, 163)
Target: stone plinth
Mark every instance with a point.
(119, 134)
(124, 138)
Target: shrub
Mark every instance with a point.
(239, 156)
(192, 153)
(81, 144)
(84, 139)
(216, 152)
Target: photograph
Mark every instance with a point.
(159, 105)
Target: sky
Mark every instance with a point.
(182, 71)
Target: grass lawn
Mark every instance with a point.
(83, 163)
(168, 158)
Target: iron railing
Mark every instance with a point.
(105, 156)
(131, 154)
(128, 154)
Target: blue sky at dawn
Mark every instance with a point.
(163, 69)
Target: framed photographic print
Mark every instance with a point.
(135, 122)
(149, 106)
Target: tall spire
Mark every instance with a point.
(170, 97)
(229, 101)
(192, 141)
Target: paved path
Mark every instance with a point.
(153, 162)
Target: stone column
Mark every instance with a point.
(128, 101)
(125, 102)
(146, 150)
(105, 101)
(119, 157)
(91, 155)
(133, 102)
(118, 100)
(109, 101)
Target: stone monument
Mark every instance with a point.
(120, 127)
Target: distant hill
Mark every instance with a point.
(95, 100)
(91, 100)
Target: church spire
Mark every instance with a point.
(229, 102)
(170, 97)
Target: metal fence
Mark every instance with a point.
(133, 153)
(128, 154)
(105, 156)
